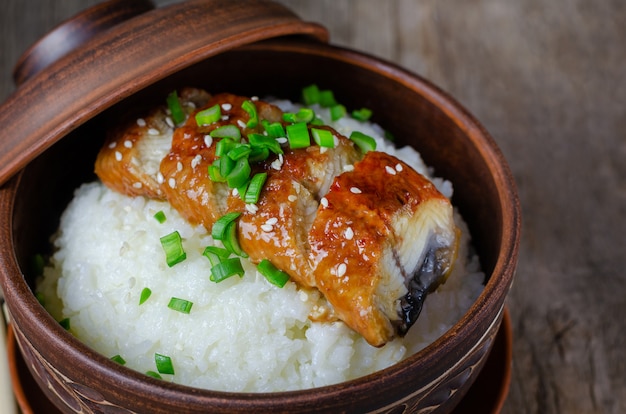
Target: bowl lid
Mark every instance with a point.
(128, 46)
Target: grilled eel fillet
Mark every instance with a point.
(366, 230)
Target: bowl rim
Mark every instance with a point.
(494, 291)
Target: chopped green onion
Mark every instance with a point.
(160, 216)
(180, 305)
(240, 173)
(250, 108)
(272, 273)
(118, 358)
(145, 294)
(214, 172)
(254, 188)
(173, 103)
(208, 116)
(154, 375)
(225, 269)
(317, 121)
(65, 323)
(226, 131)
(303, 115)
(327, 99)
(223, 146)
(258, 154)
(298, 135)
(261, 141)
(173, 247)
(362, 114)
(274, 129)
(164, 364)
(215, 254)
(311, 95)
(240, 151)
(364, 142)
(230, 240)
(218, 232)
(323, 137)
(337, 112)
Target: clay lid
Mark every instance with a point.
(116, 49)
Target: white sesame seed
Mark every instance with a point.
(191, 104)
(241, 123)
(252, 208)
(118, 156)
(154, 131)
(324, 202)
(398, 167)
(267, 228)
(281, 140)
(113, 144)
(196, 160)
(171, 182)
(235, 192)
(341, 269)
(390, 170)
(169, 122)
(128, 143)
(160, 179)
(349, 233)
(224, 117)
(227, 106)
(292, 197)
(277, 164)
(179, 166)
(137, 185)
(271, 221)
(355, 190)
(254, 98)
(349, 167)
(141, 122)
(208, 140)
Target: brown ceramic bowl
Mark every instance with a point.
(61, 157)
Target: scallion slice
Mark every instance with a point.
(250, 108)
(160, 216)
(214, 172)
(240, 173)
(209, 115)
(254, 188)
(231, 241)
(274, 129)
(173, 247)
(145, 294)
(364, 142)
(173, 103)
(272, 273)
(298, 135)
(118, 358)
(337, 112)
(164, 364)
(323, 137)
(226, 165)
(154, 375)
(327, 99)
(311, 95)
(303, 115)
(258, 154)
(226, 131)
(225, 269)
(261, 141)
(223, 146)
(240, 151)
(215, 254)
(362, 114)
(180, 305)
(218, 231)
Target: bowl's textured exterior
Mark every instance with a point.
(78, 379)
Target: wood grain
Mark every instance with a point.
(547, 79)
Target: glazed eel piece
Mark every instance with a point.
(365, 229)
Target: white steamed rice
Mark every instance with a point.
(242, 334)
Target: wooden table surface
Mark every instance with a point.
(548, 80)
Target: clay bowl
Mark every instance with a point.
(78, 379)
